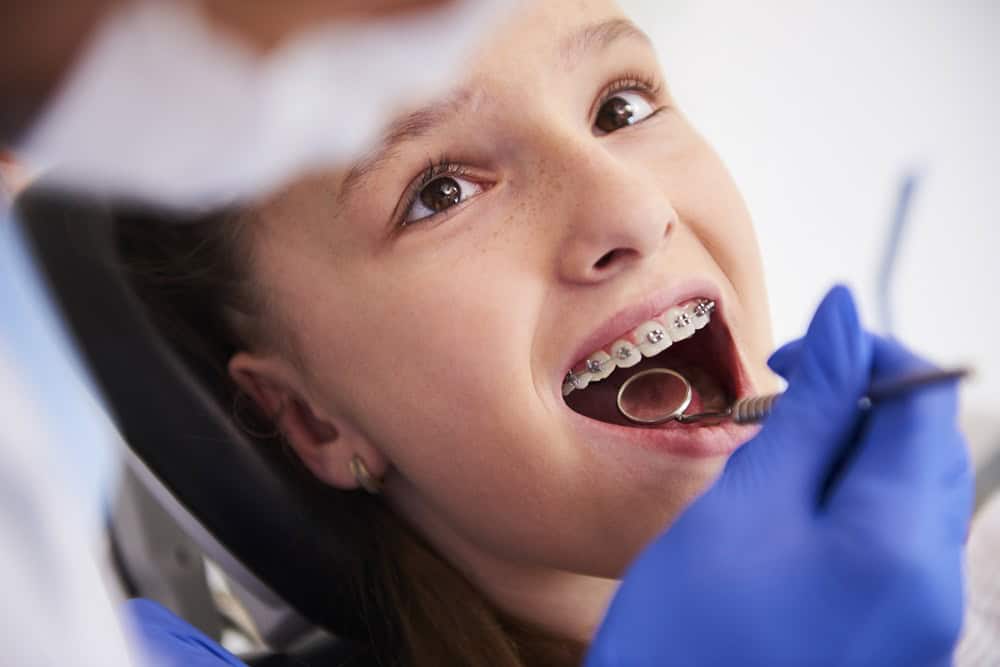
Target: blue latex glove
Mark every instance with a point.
(777, 565)
(168, 641)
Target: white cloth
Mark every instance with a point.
(980, 643)
(164, 108)
(55, 463)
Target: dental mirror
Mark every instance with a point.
(654, 396)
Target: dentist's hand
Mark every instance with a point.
(832, 538)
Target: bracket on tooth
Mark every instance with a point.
(594, 366)
(683, 320)
(704, 308)
(655, 336)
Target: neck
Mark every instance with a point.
(563, 604)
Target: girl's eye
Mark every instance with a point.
(439, 195)
(625, 108)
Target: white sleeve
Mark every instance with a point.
(56, 461)
(57, 610)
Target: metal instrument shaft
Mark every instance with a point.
(755, 409)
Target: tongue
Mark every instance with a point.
(599, 400)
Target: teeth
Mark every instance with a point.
(625, 354)
(679, 323)
(599, 366)
(701, 314)
(579, 379)
(651, 338)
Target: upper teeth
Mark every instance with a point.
(646, 340)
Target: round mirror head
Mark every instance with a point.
(654, 396)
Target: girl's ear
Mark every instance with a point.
(326, 444)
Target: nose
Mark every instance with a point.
(617, 216)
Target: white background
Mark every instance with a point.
(819, 109)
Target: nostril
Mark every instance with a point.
(604, 261)
(609, 258)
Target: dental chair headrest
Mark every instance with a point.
(173, 425)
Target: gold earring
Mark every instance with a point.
(364, 478)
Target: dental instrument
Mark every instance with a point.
(672, 392)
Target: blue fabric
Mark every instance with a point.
(33, 341)
(780, 563)
(170, 642)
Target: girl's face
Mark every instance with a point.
(430, 301)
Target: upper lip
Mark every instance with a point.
(628, 318)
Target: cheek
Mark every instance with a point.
(701, 191)
(708, 202)
(720, 219)
(445, 336)
(713, 207)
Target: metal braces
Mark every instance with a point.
(703, 308)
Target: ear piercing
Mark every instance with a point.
(365, 479)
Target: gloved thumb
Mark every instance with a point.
(784, 360)
(814, 421)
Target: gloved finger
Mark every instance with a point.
(786, 357)
(891, 359)
(912, 465)
(170, 641)
(817, 416)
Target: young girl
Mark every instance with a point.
(439, 332)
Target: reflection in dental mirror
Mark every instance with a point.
(654, 396)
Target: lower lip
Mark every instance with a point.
(687, 441)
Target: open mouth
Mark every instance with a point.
(691, 339)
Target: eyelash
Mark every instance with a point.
(650, 85)
(445, 166)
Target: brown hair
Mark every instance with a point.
(193, 277)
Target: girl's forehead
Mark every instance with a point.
(559, 53)
(553, 30)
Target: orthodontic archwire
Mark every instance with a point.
(703, 308)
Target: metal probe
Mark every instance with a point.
(755, 409)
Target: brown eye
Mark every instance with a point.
(624, 109)
(441, 194)
(615, 114)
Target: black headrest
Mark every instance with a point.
(170, 421)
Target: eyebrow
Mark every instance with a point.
(594, 37)
(408, 128)
(599, 36)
